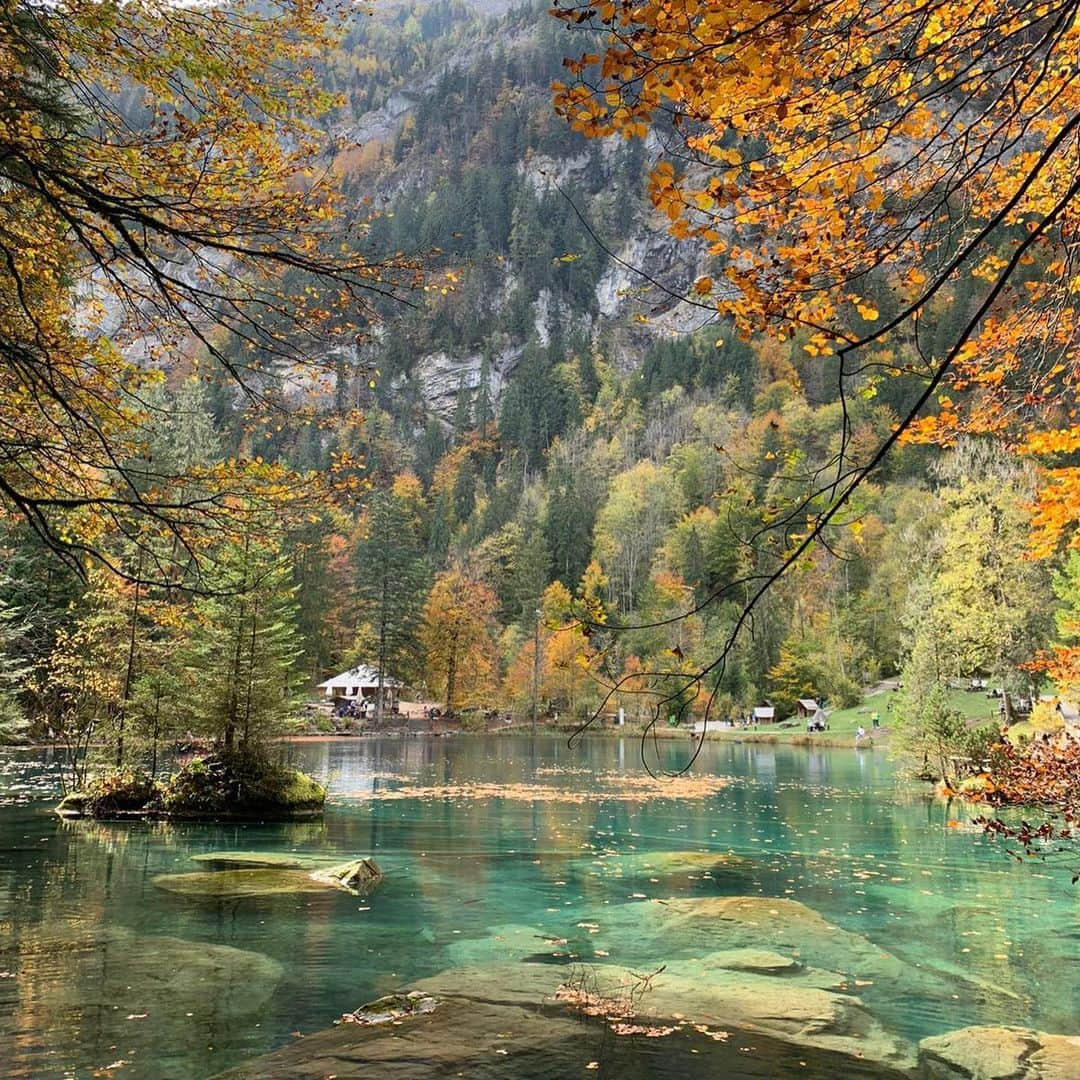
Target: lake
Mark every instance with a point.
(104, 973)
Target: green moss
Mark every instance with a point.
(245, 786)
(126, 791)
(302, 790)
(241, 785)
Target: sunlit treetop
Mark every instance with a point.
(812, 147)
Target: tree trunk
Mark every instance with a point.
(130, 670)
(451, 672)
(382, 652)
(536, 670)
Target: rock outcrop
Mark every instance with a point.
(358, 877)
(999, 1053)
(504, 1020)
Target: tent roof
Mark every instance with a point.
(361, 675)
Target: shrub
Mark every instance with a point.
(128, 790)
(239, 783)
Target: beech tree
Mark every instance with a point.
(844, 167)
(160, 199)
(457, 636)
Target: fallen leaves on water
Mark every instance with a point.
(605, 787)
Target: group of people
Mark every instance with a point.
(361, 710)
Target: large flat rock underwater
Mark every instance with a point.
(105, 980)
(696, 926)
(690, 927)
(515, 1021)
(261, 860)
(675, 871)
(358, 877)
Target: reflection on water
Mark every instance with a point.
(98, 968)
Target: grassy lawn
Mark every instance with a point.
(843, 722)
(973, 704)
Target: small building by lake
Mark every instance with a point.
(360, 686)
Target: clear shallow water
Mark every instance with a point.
(99, 967)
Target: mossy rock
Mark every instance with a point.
(258, 860)
(247, 787)
(242, 786)
(119, 794)
(240, 884)
(357, 877)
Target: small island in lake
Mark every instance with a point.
(219, 785)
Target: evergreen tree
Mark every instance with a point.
(568, 523)
(391, 582)
(429, 449)
(462, 410)
(242, 657)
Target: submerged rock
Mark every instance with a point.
(358, 877)
(999, 1053)
(502, 1020)
(109, 979)
(257, 860)
(667, 864)
(803, 1010)
(757, 961)
(240, 884)
(796, 1010)
(507, 942)
(713, 924)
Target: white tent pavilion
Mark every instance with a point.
(360, 684)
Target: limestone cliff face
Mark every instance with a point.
(640, 273)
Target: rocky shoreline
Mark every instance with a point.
(769, 978)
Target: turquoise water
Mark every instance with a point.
(96, 962)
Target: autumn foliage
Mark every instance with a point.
(843, 167)
(162, 203)
(1043, 774)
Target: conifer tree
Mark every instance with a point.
(391, 582)
(242, 657)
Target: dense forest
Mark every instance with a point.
(546, 473)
